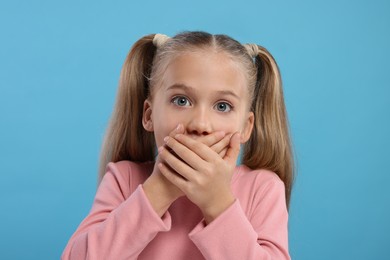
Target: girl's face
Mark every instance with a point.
(203, 91)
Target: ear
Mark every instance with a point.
(147, 121)
(248, 127)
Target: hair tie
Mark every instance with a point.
(252, 49)
(160, 39)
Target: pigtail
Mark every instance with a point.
(126, 139)
(269, 146)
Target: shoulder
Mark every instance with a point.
(128, 172)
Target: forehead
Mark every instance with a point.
(206, 70)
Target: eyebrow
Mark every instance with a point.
(193, 90)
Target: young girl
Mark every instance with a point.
(192, 100)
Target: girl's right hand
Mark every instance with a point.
(160, 191)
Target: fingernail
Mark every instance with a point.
(178, 127)
(166, 139)
(160, 149)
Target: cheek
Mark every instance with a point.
(232, 126)
(237, 124)
(163, 126)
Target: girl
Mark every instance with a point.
(193, 100)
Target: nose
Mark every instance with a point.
(199, 123)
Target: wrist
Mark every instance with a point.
(158, 196)
(212, 211)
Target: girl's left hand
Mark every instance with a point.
(202, 174)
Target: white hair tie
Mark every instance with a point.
(252, 49)
(160, 39)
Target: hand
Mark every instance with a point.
(200, 173)
(159, 190)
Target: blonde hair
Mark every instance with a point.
(269, 146)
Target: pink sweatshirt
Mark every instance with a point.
(123, 225)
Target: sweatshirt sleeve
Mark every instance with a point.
(119, 225)
(235, 236)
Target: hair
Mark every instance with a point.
(269, 146)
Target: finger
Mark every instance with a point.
(178, 130)
(194, 147)
(175, 179)
(184, 153)
(212, 139)
(179, 165)
(234, 149)
(222, 144)
(223, 153)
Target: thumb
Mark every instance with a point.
(234, 149)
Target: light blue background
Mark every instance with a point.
(59, 69)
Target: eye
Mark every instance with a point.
(181, 101)
(223, 107)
